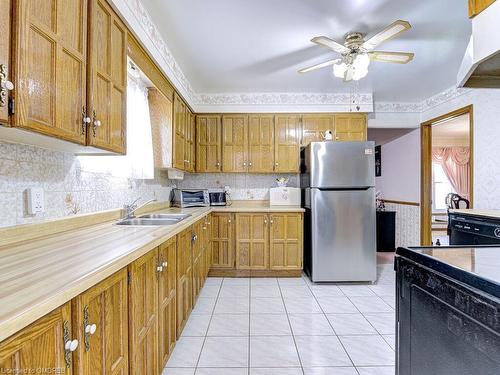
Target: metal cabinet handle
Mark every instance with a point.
(276, 164)
(217, 164)
(5, 85)
(159, 268)
(265, 221)
(69, 344)
(95, 122)
(85, 120)
(249, 163)
(164, 264)
(88, 328)
(244, 164)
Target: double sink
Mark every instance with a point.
(154, 219)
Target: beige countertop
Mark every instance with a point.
(40, 274)
(485, 213)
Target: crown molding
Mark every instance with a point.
(285, 102)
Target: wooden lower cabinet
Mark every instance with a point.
(252, 241)
(40, 346)
(100, 317)
(222, 240)
(143, 314)
(285, 241)
(184, 281)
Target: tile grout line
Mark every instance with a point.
(333, 329)
(291, 330)
(209, 323)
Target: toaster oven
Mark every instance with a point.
(190, 198)
(217, 197)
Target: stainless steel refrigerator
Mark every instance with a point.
(338, 194)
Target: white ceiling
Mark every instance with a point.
(226, 46)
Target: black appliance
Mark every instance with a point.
(473, 230)
(218, 197)
(386, 230)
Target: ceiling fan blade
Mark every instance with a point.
(329, 43)
(389, 32)
(391, 57)
(319, 66)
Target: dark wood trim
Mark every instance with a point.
(426, 169)
(406, 203)
(214, 272)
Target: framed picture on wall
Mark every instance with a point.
(378, 161)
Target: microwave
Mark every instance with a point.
(190, 198)
(217, 197)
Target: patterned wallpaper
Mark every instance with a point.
(407, 223)
(67, 188)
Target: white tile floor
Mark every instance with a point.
(289, 327)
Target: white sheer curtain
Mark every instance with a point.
(138, 163)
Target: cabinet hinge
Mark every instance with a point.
(12, 106)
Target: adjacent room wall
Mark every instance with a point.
(400, 178)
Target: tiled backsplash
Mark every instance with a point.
(62, 179)
(67, 187)
(243, 186)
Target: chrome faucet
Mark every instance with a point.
(130, 209)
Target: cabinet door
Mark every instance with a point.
(107, 77)
(235, 143)
(222, 240)
(167, 330)
(286, 143)
(160, 112)
(252, 241)
(5, 45)
(350, 127)
(285, 241)
(261, 143)
(103, 307)
(208, 143)
(143, 314)
(39, 346)
(315, 126)
(189, 152)
(184, 282)
(50, 55)
(179, 134)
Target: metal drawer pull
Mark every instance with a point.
(164, 264)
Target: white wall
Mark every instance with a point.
(486, 151)
(400, 178)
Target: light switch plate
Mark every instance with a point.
(35, 200)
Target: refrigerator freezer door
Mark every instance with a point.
(340, 164)
(342, 235)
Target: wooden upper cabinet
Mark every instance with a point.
(107, 71)
(285, 241)
(167, 254)
(143, 314)
(314, 127)
(234, 143)
(101, 326)
(350, 127)
(252, 241)
(40, 346)
(5, 48)
(222, 240)
(160, 113)
(261, 143)
(179, 133)
(50, 62)
(208, 143)
(286, 143)
(190, 149)
(477, 6)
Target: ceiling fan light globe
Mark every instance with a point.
(361, 61)
(340, 69)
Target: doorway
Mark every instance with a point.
(446, 168)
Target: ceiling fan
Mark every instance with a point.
(357, 53)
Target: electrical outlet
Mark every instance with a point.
(35, 200)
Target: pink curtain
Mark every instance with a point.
(455, 163)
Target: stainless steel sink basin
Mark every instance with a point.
(154, 219)
(147, 222)
(178, 217)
